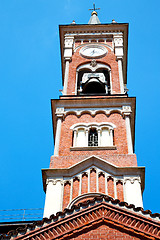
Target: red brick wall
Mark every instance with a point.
(84, 183)
(120, 141)
(119, 186)
(75, 188)
(120, 138)
(110, 184)
(121, 160)
(77, 60)
(93, 181)
(66, 196)
(105, 232)
(101, 183)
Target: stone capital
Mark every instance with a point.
(60, 112)
(126, 111)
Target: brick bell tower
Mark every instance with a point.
(93, 121)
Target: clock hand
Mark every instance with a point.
(93, 52)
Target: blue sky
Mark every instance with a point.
(30, 75)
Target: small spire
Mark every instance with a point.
(94, 16)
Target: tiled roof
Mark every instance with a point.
(140, 222)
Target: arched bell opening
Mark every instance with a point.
(97, 82)
(94, 86)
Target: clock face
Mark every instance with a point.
(93, 51)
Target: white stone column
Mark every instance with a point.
(110, 76)
(99, 137)
(86, 143)
(74, 138)
(66, 77)
(118, 47)
(53, 198)
(133, 194)
(106, 185)
(76, 93)
(128, 131)
(111, 137)
(59, 114)
(71, 190)
(120, 74)
(68, 49)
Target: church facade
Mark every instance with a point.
(93, 185)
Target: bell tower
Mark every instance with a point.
(93, 120)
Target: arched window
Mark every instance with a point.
(106, 136)
(80, 139)
(93, 135)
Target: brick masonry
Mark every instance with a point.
(78, 60)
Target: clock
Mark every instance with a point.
(93, 51)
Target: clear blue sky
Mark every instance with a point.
(30, 75)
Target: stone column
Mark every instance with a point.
(133, 194)
(59, 114)
(68, 49)
(66, 77)
(129, 135)
(71, 190)
(111, 137)
(86, 144)
(53, 197)
(99, 137)
(74, 138)
(119, 59)
(118, 47)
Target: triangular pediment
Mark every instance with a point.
(92, 161)
(100, 212)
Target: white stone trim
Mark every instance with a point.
(66, 77)
(94, 111)
(53, 201)
(120, 75)
(128, 129)
(133, 193)
(55, 186)
(85, 127)
(93, 124)
(96, 67)
(58, 135)
(91, 43)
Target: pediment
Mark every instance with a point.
(95, 162)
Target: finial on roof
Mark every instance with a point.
(73, 22)
(94, 16)
(113, 21)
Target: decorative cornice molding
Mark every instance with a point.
(62, 112)
(99, 210)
